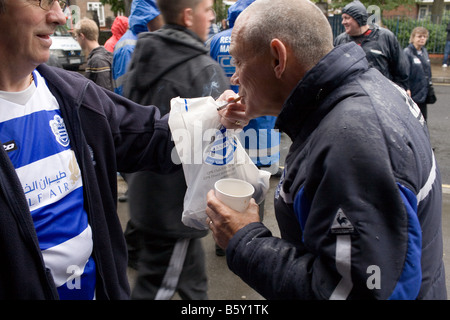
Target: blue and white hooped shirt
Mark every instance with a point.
(34, 135)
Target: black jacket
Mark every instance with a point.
(359, 204)
(99, 67)
(167, 63)
(108, 133)
(383, 53)
(419, 73)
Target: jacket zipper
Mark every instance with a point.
(77, 145)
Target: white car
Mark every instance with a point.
(66, 49)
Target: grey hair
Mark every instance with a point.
(298, 23)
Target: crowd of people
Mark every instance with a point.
(360, 185)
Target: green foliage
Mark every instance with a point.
(221, 10)
(116, 5)
(219, 7)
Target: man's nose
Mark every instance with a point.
(56, 15)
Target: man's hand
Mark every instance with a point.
(233, 116)
(224, 222)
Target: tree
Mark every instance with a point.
(118, 6)
(125, 6)
(220, 9)
(436, 11)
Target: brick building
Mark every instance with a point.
(420, 10)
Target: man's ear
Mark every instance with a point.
(279, 57)
(188, 17)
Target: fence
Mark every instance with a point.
(402, 26)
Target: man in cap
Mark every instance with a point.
(380, 45)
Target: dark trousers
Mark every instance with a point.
(169, 265)
(423, 109)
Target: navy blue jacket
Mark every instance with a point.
(108, 133)
(383, 53)
(419, 73)
(359, 203)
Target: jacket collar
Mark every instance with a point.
(178, 33)
(337, 67)
(72, 88)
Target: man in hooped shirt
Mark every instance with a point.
(64, 139)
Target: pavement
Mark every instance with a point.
(439, 74)
(224, 285)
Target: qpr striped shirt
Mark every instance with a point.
(33, 133)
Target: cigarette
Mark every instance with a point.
(226, 104)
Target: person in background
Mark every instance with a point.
(170, 62)
(99, 60)
(213, 29)
(118, 29)
(144, 17)
(380, 45)
(447, 48)
(419, 68)
(359, 204)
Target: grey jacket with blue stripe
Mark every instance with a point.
(359, 203)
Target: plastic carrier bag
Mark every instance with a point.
(208, 152)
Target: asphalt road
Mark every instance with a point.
(439, 127)
(224, 285)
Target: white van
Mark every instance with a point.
(66, 49)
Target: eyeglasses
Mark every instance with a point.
(47, 4)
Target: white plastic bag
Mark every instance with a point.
(208, 152)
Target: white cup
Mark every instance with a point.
(234, 193)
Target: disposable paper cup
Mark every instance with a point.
(234, 193)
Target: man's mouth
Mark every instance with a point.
(45, 39)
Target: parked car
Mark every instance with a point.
(66, 49)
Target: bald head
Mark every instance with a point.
(299, 24)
